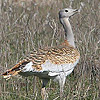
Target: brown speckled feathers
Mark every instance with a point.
(57, 55)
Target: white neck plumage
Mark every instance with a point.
(68, 31)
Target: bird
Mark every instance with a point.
(55, 62)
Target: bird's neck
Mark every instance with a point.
(68, 31)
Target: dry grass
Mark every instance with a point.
(30, 26)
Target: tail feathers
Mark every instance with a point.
(15, 70)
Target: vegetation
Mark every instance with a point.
(32, 24)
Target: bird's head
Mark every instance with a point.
(67, 12)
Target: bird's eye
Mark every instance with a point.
(66, 10)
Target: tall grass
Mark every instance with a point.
(26, 26)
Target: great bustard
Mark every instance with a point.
(51, 63)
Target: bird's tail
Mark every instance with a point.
(15, 70)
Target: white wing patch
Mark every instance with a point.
(28, 67)
(49, 66)
(52, 69)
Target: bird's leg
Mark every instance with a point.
(43, 93)
(43, 90)
(34, 85)
(62, 82)
(61, 91)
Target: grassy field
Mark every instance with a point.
(25, 26)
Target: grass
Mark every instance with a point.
(24, 28)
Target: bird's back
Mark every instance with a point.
(47, 62)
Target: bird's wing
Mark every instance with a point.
(48, 59)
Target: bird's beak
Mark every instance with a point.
(76, 11)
